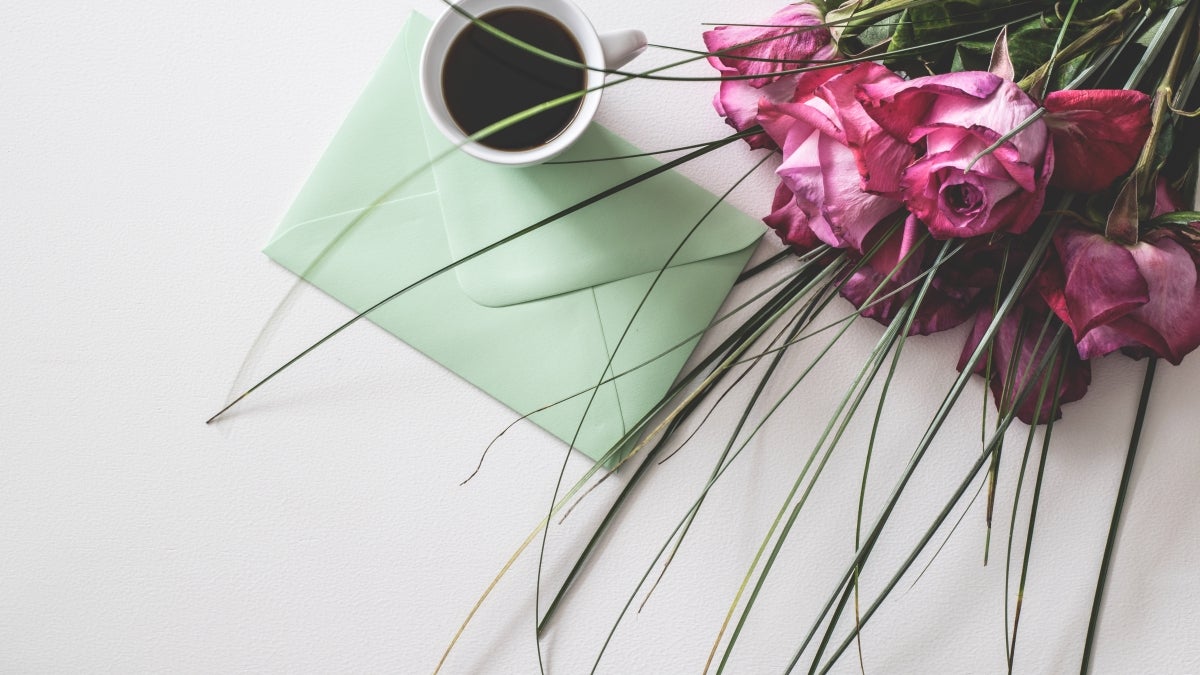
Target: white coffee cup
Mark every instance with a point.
(608, 51)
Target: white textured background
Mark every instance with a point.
(147, 150)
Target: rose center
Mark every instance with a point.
(963, 197)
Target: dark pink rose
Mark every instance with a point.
(881, 284)
(1097, 134)
(1010, 345)
(1143, 299)
(837, 161)
(956, 116)
(794, 37)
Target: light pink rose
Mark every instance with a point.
(794, 37)
(955, 117)
(837, 161)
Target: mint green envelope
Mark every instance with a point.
(534, 321)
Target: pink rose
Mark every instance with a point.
(794, 37)
(837, 161)
(956, 116)
(1143, 299)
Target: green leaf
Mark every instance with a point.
(879, 31)
(1176, 218)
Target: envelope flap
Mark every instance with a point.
(627, 234)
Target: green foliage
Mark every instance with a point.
(923, 25)
(1030, 44)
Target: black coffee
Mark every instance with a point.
(485, 79)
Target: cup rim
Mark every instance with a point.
(451, 23)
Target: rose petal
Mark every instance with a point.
(739, 102)
(1166, 200)
(880, 156)
(802, 173)
(1168, 325)
(899, 107)
(1009, 208)
(885, 271)
(1101, 280)
(851, 212)
(793, 37)
(880, 297)
(823, 172)
(789, 222)
(798, 120)
(922, 184)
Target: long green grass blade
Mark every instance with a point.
(874, 363)
(978, 465)
(736, 342)
(821, 278)
(604, 373)
(1110, 544)
(1022, 280)
(797, 325)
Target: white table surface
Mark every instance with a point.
(147, 151)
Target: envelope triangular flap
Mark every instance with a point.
(627, 234)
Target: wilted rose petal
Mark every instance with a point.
(789, 222)
(738, 103)
(904, 108)
(1168, 325)
(1100, 280)
(1143, 299)
(881, 157)
(1097, 134)
(792, 38)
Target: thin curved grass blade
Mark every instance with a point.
(1110, 544)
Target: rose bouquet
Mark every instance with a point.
(1029, 181)
(895, 172)
(1021, 169)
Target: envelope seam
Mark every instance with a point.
(414, 87)
(358, 209)
(608, 371)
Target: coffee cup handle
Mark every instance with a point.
(620, 47)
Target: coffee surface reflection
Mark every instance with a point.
(486, 79)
